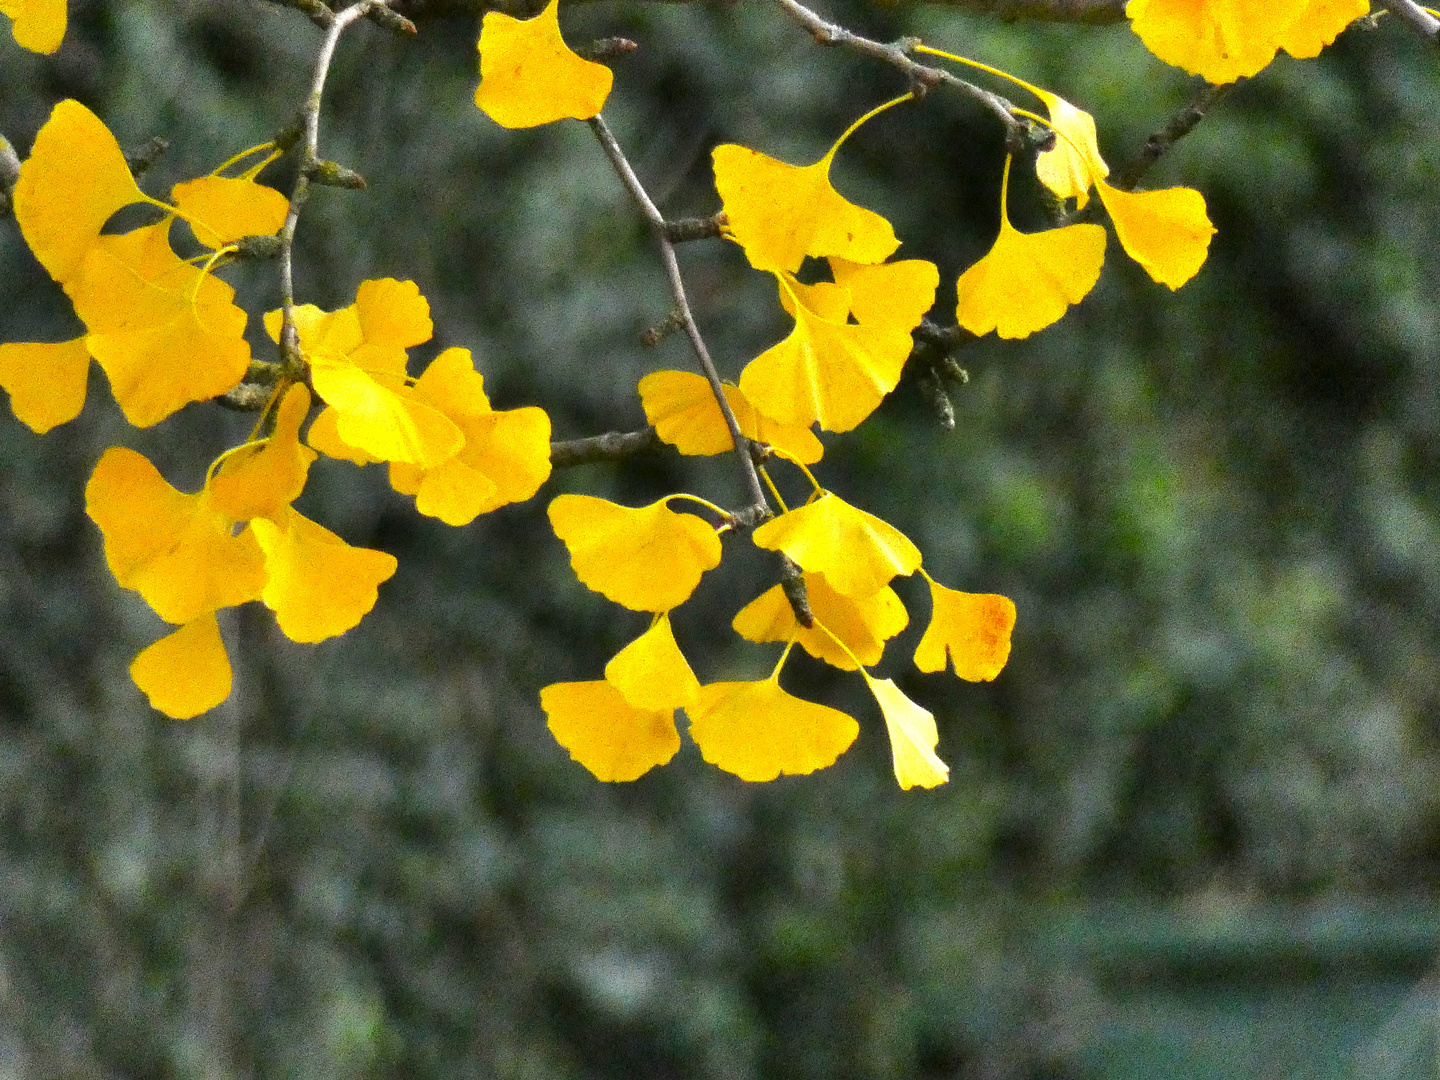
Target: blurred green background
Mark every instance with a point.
(1191, 831)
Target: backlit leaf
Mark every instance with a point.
(603, 732)
(913, 736)
(1167, 231)
(186, 673)
(1074, 163)
(222, 209)
(652, 673)
(262, 479)
(46, 382)
(863, 625)
(529, 76)
(857, 552)
(681, 406)
(973, 628)
(39, 25)
(758, 731)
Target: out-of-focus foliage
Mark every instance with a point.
(1216, 511)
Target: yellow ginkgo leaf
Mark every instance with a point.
(913, 736)
(863, 626)
(758, 731)
(222, 209)
(327, 335)
(896, 294)
(72, 183)
(1027, 280)
(261, 479)
(371, 417)
(1219, 40)
(393, 317)
(46, 382)
(1074, 163)
(324, 436)
(505, 457)
(780, 213)
(1167, 231)
(973, 628)
(610, 737)
(857, 552)
(529, 76)
(1320, 24)
(652, 673)
(318, 585)
(39, 25)
(165, 333)
(186, 673)
(681, 406)
(645, 558)
(175, 550)
(828, 372)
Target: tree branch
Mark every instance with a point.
(759, 508)
(1415, 17)
(1178, 126)
(1091, 12)
(612, 446)
(9, 174)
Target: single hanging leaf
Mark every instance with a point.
(222, 209)
(175, 550)
(39, 25)
(1073, 164)
(973, 628)
(529, 76)
(758, 731)
(603, 732)
(1028, 280)
(828, 372)
(164, 333)
(317, 584)
(681, 406)
(645, 558)
(863, 625)
(72, 183)
(46, 382)
(913, 736)
(186, 673)
(780, 213)
(651, 673)
(857, 552)
(1167, 231)
(261, 480)
(896, 294)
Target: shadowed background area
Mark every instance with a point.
(1191, 831)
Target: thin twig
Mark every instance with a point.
(9, 174)
(921, 76)
(612, 446)
(759, 508)
(1178, 126)
(1415, 17)
(309, 156)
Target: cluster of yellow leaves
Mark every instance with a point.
(165, 331)
(1225, 40)
(651, 559)
(38, 25)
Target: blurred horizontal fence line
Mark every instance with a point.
(1343, 991)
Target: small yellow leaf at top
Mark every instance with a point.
(46, 382)
(1028, 280)
(863, 625)
(318, 585)
(973, 628)
(652, 673)
(758, 731)
(1219, 40)
(1319, 25)
(186, 673)
(1167, 231)
(175, 550)
(165, 333)
(682, 407)
(606, 734)
(645, 558)
(529, 76)
(393, 317)
(261, 479)
(221, 209)
(39, 25)
(913, 736)
(780, 213)
(857, 552)
(71, 184)
(1073, 164)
